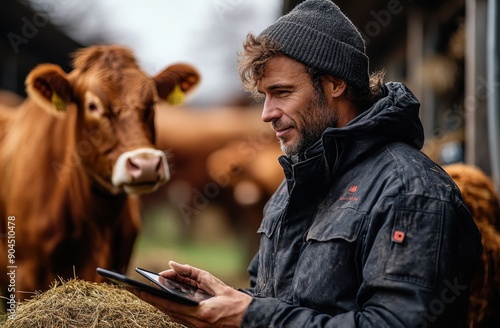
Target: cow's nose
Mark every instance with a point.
(140, 171)
(143, 170)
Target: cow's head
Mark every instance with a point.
(112, 102)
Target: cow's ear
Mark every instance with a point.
(48, 85)
(175, 81)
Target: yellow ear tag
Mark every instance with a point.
(58, 102)
(177, 96)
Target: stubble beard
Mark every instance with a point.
(317, 117)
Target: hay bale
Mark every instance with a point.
(77, 303)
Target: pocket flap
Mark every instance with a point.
(268, 225)
(340, 223)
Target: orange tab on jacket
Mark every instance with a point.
(398, 236)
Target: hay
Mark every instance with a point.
(77, 303)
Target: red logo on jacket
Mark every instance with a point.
(349, 196)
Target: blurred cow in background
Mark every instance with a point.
(482, 200)
(252, 173)
(72, 157)
(219, 157)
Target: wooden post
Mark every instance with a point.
(493, 100)
(476, 87)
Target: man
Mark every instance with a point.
(365, 231)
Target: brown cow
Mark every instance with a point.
(482, 200)
(72, 157)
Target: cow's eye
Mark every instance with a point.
(92, 107)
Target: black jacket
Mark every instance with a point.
(365, 231)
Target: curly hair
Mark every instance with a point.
(257, 51)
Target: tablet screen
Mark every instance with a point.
(174, 286)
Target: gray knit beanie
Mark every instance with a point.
(317, 34)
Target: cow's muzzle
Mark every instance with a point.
(140, 171)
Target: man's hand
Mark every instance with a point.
(225, 309)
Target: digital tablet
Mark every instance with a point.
(174, 286)
(170, 294)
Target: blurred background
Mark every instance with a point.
(223, 158)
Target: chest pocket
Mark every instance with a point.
(333, 242)
(330, 255)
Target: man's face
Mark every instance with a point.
(295, 109)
